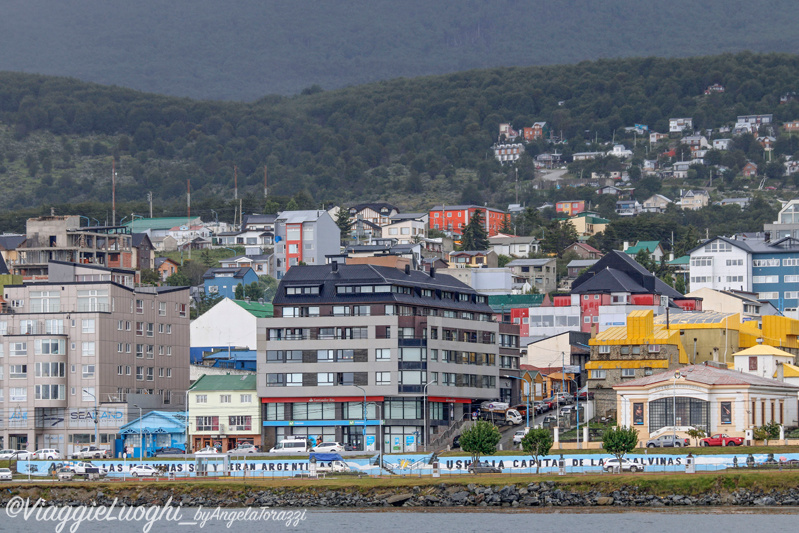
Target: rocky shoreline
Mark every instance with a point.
(543, 494)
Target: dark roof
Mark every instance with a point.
(259, 219)
(377, 207)
(758, 246)
(365, 274)
(11, 242)
(618, 272)
(211, 273)
(138, 238)
(3, 266)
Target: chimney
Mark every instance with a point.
(432, 272)
(334, 264)
(407, 270)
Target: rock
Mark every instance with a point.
(398, 499)
(604, 500)
(459, 498)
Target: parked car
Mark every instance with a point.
(585, 395)
(168, 451)
(328, 447)
(5, 474)
(565, 397)
(144, 471)
(23, 455)
(456, 442)
(522, 408)
(611, 465)
(483, 468)
(519, 435)
(540, 407)
(549, 421)
(208, 450)
(7, 454)
(91, 452)
(550, 402)
(667, 441)
(721, 439)
(244, 447)
(47, 454)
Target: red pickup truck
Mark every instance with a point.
(721, 439)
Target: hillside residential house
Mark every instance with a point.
(722, 144)
(655, 204)
(85, 339)
(749, 170)
(472, 259)
(588, 224)
(734, 301)
(223, 281)
(540, 274)
(538, 130)
(570, 207)
(508, 152)
(406, 228)
(678, 125)
(506, 130)
(513, 246)
(343, 334)
(143, 249)
(655, 137)
(165, 267)
(576, 266)
(694, 199)
(228, 324)
(653, 247)
(377, 213)
(583, 250)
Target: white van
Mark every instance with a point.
(292, 445)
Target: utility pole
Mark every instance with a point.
(265, 189)
(114, 192)
(150, 199)
(235, 182)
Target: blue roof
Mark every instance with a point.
(157, 422)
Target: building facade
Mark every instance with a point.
(452, 219)
(77, 345)
(304, 237)
(224, 412)
(348, 335)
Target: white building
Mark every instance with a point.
(678, 125)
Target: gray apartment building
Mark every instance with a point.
(86, 339)
(396, 339)
(304, 237)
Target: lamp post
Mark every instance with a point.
(425, 413)
(96, 442)
(577, 406)
(141, 434)
(674, 406)
(527, 395)
(364, 414)
(379, 436)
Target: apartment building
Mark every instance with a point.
(451, 219)
(224, 412)
(345, 335)
(304, 237)
(74, 347)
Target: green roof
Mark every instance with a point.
(224, 383)
(140, 225)
(501, 302)
(684, 260)
(649, 246)
(256, 309)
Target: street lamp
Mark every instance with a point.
(674, 396)
(364, 414)
(426, 433)
(85, 391)
(527, 395)
(577, 406)
(379, 436)
(141, 433)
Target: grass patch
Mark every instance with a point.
(701, 450)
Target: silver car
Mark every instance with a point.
(5, 474)
(625, 465)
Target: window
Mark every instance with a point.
(93, 300)
(240, 423)
(768, 295)
(17, 371)
(162, 308)
(765, 262)
(50, 370)
(207, 423)
(160, 372)
(140, 329)
(604, 348)
(201, 398)
(245, 398)
(88, 371)
(718, 246)
(18, 394)
(628, 372)
(150, 373)
(224, 398)
(382, 378)
(140, 373)
(150, 329)
(735, 262)
(45, 302)
(87, 394)
(168, 372)
(598, 374)
(325, 379)
(139, 307)
(294, 380)
(49, 347)
(765, 279)
(701, 261)
(150, 353)
(17, 349)
(87, 325)
(653, 348)
(753, 363)
(140, 351)
(49, 392)
(383, 354)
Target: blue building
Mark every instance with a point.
(223, 281)
(158, 429)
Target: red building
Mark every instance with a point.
(570, 207)
(453, 218)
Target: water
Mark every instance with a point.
(610, 520)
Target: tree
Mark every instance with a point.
(343, 222)
(254, 291)
(767, 432)
(149, 277)
(269, 285)
(696, 434)
(239, 293)
(480, 439)
(474, 235)
(620, 440)
(644, 258)
(206, 302)
(178, 279)
(503, 260)
(506, 228)
(537, 443)
(559, 234)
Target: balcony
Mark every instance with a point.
(36, 328)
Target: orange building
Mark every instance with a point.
(453, 218)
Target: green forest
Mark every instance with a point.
(246, 49)
(408, 142)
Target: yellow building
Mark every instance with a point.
(588, 224)
(224, 411)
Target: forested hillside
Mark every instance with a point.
(410, 142)
(245, 49)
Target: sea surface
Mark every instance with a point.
(610, 520)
